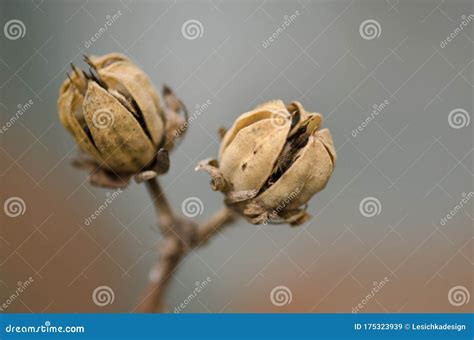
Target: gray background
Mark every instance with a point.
(408, 157)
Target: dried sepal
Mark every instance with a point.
(84, 163)
(240, 196)
(256, 213)
(221, 132)
(99, 176)
(162, 162)
(295, 217)
(172, 102)
(176, 115)
(104, 179)
(218, 182)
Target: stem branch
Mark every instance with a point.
(179, 237)
(162, 206)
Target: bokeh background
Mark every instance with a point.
(412, 161)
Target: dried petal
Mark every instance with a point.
(249, 160)
(265, 111)
(326, 138)
(132, 82)
(308, 175)
(303, 117)
(120, 138)
(69, 109)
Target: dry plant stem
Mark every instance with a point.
(179, 237)
(212, 226)
(162, 206)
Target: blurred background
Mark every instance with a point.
(392, 231)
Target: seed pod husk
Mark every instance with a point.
(114, 113)
(272, 161)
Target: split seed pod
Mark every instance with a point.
(115, 116)
(272, 161)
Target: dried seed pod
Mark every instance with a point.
(272, 161)
(114, 113)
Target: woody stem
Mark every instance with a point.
(179, 237)
(163, 209)
(214, 224)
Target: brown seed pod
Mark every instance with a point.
(272, 161)
(114, 113)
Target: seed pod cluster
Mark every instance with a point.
(272, 161)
